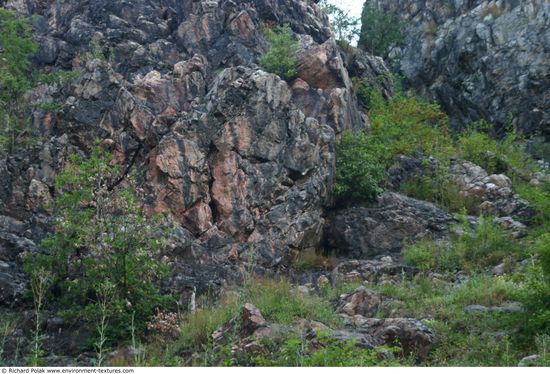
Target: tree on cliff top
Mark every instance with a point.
(379, 31)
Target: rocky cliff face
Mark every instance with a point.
(241, 160)
(478, 58)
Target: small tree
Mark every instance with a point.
(16, 45)
(102, 238)
(345, 27)
(379, 31)
(359, 170)
(282, 58)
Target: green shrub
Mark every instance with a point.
(538, 198)
(487, 245)
(282, 58)
(475, 144)
(429, 255)
(102, 238)
(535, 295)
(440, 190)
(16, 46)
(358, 168)
(408, 125)
(379, 31)
(279, 302)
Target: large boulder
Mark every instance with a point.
(396, 219)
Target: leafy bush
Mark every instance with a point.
(536, 294)
(358, 169)
(486, 245)
(282, 58)
(475, 144)
(101, 241)
(404, 125)
(538, 198)
(379, 31)
(16, 45)
(441, 190)
(407, 125)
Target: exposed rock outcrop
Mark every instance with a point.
(478, 59)
(396, 219)
(241, 160)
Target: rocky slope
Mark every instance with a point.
(241, 161)
(237, 157)
(478, 59)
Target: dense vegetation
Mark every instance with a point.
(282, 57)
(379, 31)
(406, 125)
(100, 262)
(16, 46)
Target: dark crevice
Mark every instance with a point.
(128, 168)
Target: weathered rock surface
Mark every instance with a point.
(369, 232)
(413, 336)
(241, 160)
(375, 271)
(362, 302)
(494, 191)
(478, 59)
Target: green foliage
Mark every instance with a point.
(439, 189)
(282, 58)
(464, 339)
(404, 125)
(7, 328)
(379, 31)
(538, 198)
(102, 238)
(358, 169)
(296, 352)
(428, 255)
(51, 106)
(345, 27)
(476, 145)
(409, 125)
(278, 301)
(535, 295)
(486, 245)
(199, 325)
(59, 77)
(16, 45)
